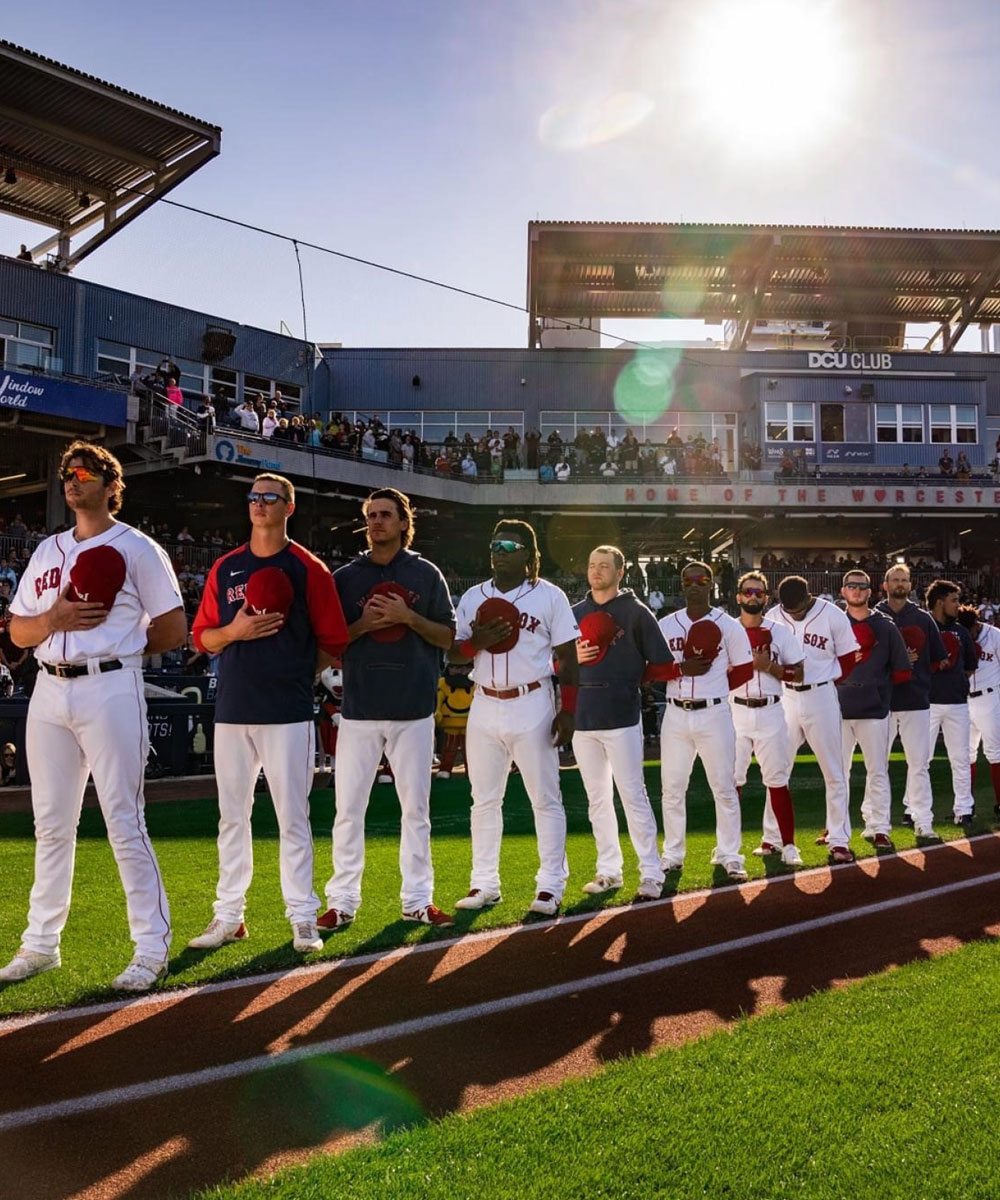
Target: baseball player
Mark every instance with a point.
(267, 608)
(93, 601)
(909, 713)
(865, 696)
(712, 657)
(400, 619)
(984, 697)
(618, 637)
(759, 717)
(828, 648)
(510, 627)
(950, 694)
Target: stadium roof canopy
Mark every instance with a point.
(82, 156)
(743, 273)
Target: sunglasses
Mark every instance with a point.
(858, 587)
(505, 546)
(80, 474)
(755, 591)
(695, 580)
(264, 498)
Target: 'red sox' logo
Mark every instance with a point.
(48, 579)
(815, 639)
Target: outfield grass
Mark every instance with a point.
(96, 944)
(887, 1089)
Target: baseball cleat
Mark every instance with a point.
(27, 963)
(671, 864)
(736, 871)
(823, 839)
(544, 903)
(305, 937)
(882, 842)
(965, 821)
(907, 820)
(790, 855)
(444, 774)
(477, 898)
(430, 914)
(334, 918)
(601, 884)
(648, 889)
(140, 975)
(765, 849)
(927, 835)
(219, 933)
(841, 854)
(384, 777)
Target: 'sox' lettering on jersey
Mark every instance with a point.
(814, 639)
(48, 579)
(235, 594)
(529, 623)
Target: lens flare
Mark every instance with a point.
(593, 121)
(646, 387)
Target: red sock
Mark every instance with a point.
(784, 814)
(995, 776)
(972, 774)
(739, 794)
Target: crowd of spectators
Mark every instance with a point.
(601, 454)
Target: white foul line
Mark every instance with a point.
(169, 995)
(355, 1041)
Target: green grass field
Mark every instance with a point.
(887, 1089)
(96, 944)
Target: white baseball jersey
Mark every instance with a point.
(824, 634)
(150, 590)
(784, 650)
(987, 673)
(546, 621)
(734, 651)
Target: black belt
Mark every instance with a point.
(694, 705)
(984, 692)
(71, 671)
(763, 702)
(805, 687)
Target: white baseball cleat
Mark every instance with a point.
(140, 975)
(671, 864)
(477, 898)
(444, 774)
(601, 884)
(924, 833)
(27, 963)
(648, 889)
(305, 937)
(735, 870)
(545, 904)
(219, 933)
(790, 856)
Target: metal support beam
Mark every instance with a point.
(761, 275)
(77, 137)
(965, 314)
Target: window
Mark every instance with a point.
(114, 358)
(223, 381)
(954, 424)
(899, 423)
(24, 345)
(831, 422)
(434, 425)
(786, 422)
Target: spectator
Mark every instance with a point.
(656, 600)
(407, 453)
(174, 394)
(7, 572)
(562, 471)
(248, 419)
(24, 254)
(469, 469)
(532, 439)
(185, 535)
(511, 442)
(608, 469)
(946, 464)
(8, 765)
(206, 415)
(167, 369)
(269, 424)
(962, 468)
(906, 472)
(137, 383)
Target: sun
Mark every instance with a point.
(768, 75)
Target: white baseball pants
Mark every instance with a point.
(287, 755)
(953, 721)
(913, 727)
(409, 747)
(709, 734)
(614, 756)
(520, 730)
(762, 732)
(984, 721)
(872, 735)
(814, 717)
(94, 724)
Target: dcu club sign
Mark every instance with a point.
(844, 360)
(60, 398)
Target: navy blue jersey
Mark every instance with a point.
(393, 680)
(916, 693)
(950, 685)
(269, 681)
(865, 695)
(609, 696)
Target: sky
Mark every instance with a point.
(426, 135)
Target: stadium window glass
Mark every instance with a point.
(8, 328)
(954, 424)
(502, 419)
(289, 391)
(438, 424)
(256, 383)
(831, 422)
(470, 422)
(776, 422)
(223, 380)
(35, 333)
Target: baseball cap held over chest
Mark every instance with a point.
(703, 641)
(391, 633)
(269, 590)
(494, 607)
(599, 629)
(97, 576)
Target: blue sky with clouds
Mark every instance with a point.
(426, 136)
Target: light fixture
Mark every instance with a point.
(8, 478)
(963, 532)
(10, 176)
(85, 200)
(693, 529)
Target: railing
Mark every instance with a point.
(172, 422)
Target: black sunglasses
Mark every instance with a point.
(264, 498)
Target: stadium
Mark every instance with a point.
(837, 425)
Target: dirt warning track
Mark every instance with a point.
(178, 1090)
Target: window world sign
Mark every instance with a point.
(829, 496)
(60, 398)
